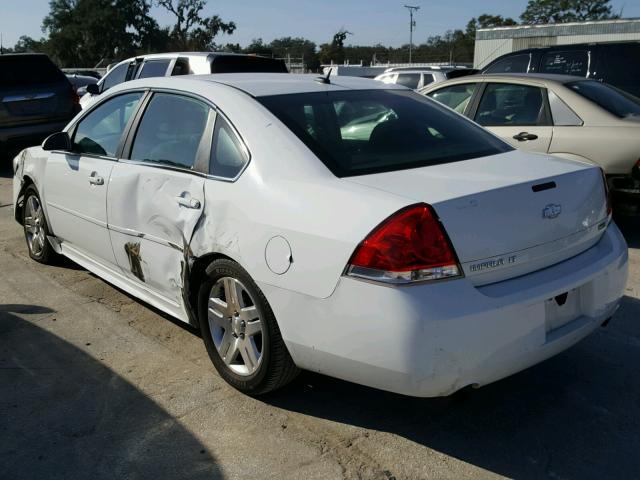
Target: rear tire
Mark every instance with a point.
(240, 331)
(35, 227)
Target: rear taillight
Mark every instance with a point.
(410, 246)
(606, 193)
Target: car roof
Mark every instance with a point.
(517, 77)
(265, 84)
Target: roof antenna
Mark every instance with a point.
(325, 80)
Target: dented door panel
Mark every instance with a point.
(152, 215)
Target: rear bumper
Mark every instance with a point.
(433, 339)
(23, 136)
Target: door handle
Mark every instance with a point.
(95, 179)
(524, 136)
(188, 202)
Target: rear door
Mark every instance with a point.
(76, 182)
(156, 193)
(519, 114)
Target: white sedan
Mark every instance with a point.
(343, 226)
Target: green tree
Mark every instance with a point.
(192, 31)
(296, 47)
(26, 44)
(258, 47)
(487, 21)
(334, 51)
(84, 32)
(562, 11)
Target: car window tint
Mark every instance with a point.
(23, 70)
(427, 78)
(228, 154)
(615, 101)
(506, 104)
(456, 97)
(154, 68)
(511, 64)
(181, 67)
(409, 80)
(116, 76)
(170, 131)
(622, 68)
(573, 62)
(386, 130)
(562, 115)
(99, 132)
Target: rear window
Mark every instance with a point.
(23, 70)
(614, 101)
(573, 62)
(246, 64)
(371, 131)
(511, 64)
(409, 80)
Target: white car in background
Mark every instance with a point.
(421, 257)
(180, 63)
(570, 117)
(416, 78)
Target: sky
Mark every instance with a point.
(370, 21)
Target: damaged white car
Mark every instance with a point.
(343, 226)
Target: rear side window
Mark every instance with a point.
(386, 130)
(621, 67)
(511, 64)
(456, 97)
(614, 101)
(427, 78)
(228, 153)
(505, 104)
(154, 68)
(574, 62)
(24, 70)
(246, 64)
(409, 80)
(115, 77)
(170, 131)
(100, 131)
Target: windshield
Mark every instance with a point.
(372, 131)
(619, 103)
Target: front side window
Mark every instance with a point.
(100, 131)
(456, 97)
(617, 102)
(396, 130)
(170, 131)
(573, 62)
(228, 154)
(154, 68)
(505, 104)
(116, 76)
(409, 80)
(511, 64)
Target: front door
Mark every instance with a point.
(76, 182)
(518, 114)
(156, 195)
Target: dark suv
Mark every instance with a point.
(613, 63)
(36, 100)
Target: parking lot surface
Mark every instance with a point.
(95, 384)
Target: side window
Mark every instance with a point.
(456, 97)
(409, 80)
(427, 78)
(573, 62)
(116, 76)
(388, 78)
(228, 153)
(505, 104)
(170, 131)
(511, 64)
(621, 68)
(99, 132)
(154, 68)
(562, 115)
(181, 67)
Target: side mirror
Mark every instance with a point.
(93, 89)
(57, 141)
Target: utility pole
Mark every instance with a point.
(412, 24)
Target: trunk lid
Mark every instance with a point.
(508, 214)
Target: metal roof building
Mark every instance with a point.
(493, 42)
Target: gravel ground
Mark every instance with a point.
(94, 384)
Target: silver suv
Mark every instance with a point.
(419, 77)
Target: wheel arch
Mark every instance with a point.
(26, 182)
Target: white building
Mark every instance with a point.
(494, 42)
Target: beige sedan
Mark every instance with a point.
(570, 117)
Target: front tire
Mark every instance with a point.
(36, 229)
(240, 331)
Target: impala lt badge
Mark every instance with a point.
(551, 211)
